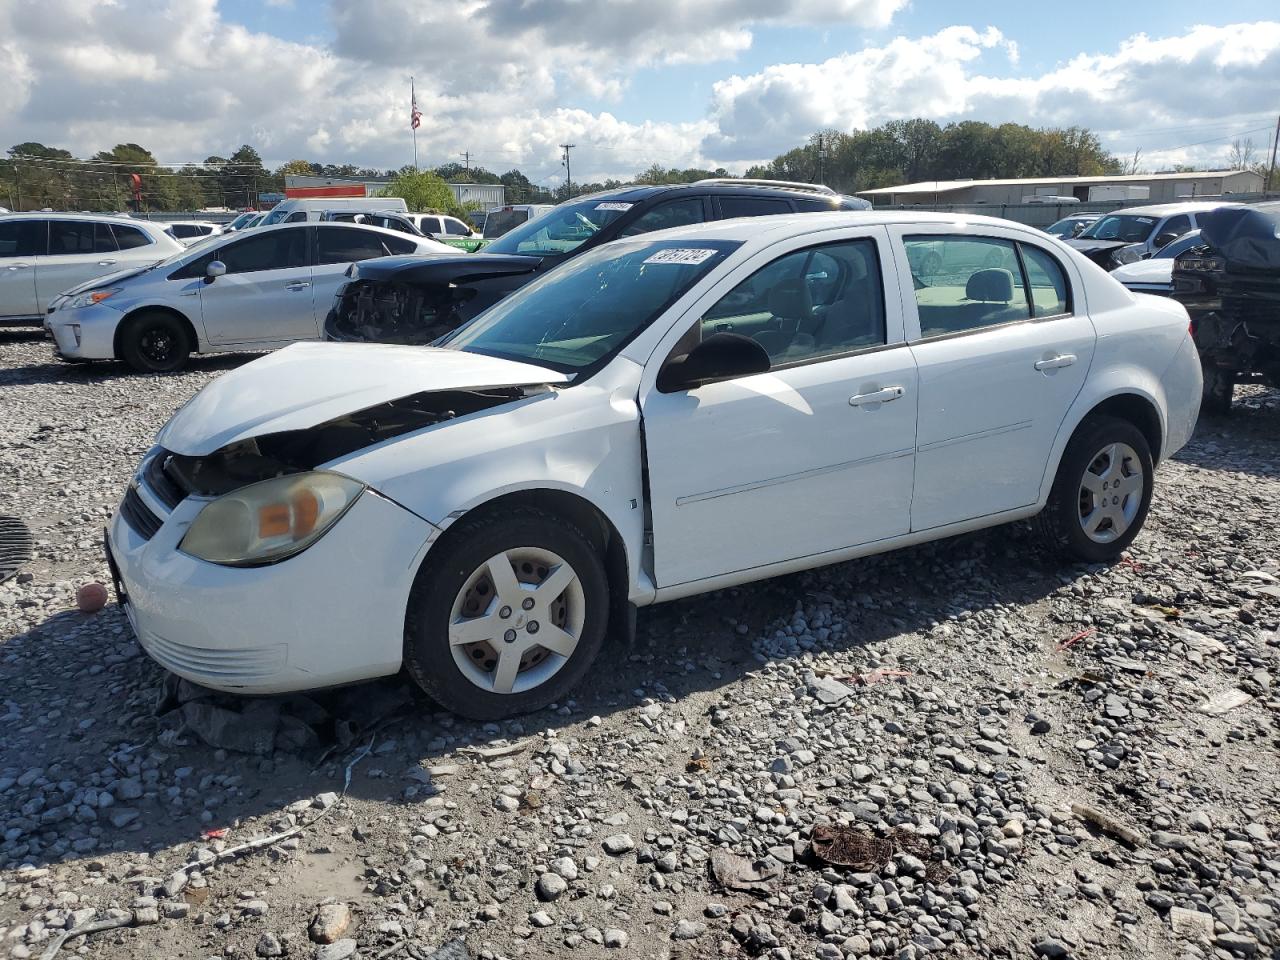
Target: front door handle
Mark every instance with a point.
(876, 396)
(106, 263)
(1054, 363)
(298, 285)
(19, 266)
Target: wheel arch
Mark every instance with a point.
(138, 311)
(1137, 402)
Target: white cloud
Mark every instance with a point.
(499, 78)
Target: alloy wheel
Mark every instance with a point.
(1111, 492)
(517, 620)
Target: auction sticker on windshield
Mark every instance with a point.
(611, 205)
(681, 255)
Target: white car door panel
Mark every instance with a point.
(79, 250)
(816, 454)
(992, 397)
(18, 287)
(265, 294)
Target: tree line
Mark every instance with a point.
(34, 176)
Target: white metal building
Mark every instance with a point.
(1163, 188)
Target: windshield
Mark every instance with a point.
(1129, 227)
(585, 311)
(1066, 227)
(1181, 245)
(275, 216)
(560, 230)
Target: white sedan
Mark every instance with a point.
(663, 416)
(242, 291)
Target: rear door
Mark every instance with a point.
(265, 294)
(1003, 346)
(20, 241)
(79, 250)
(337, 247)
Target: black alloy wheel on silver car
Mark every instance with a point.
(1102, 492)
(507, 615)
(155, 342)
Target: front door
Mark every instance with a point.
(814, 455)
(20, 240)
(265, 294)
(1003, 348)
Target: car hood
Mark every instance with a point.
(308, 384)
(1145, 271)
(1089, 245)
(443, 269)
(108, 279)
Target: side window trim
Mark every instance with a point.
(1066, 282)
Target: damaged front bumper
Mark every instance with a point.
(329, 615)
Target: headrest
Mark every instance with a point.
(991, 285)
(790, 299)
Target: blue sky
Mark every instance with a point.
(630, 81)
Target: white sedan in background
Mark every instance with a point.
(665, 415)
(244, 291)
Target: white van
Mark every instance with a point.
(290, 211)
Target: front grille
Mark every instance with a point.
(138, 515)
(158, 476)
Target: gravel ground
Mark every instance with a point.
(1056, 761)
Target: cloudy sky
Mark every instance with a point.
(630, 82)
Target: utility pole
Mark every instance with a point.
(17, 182)
(568, 173)
(822, 157)
(466, 159)
(1271, 170)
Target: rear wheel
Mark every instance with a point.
(508, 616)
(155, 343)
(1102, 492)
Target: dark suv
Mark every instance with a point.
(418, 299)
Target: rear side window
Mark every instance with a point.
(811, 205)
(129, 238)
(674, 213)
(70, 237)
(22, 238)
(731, 207)
(966, 283)
(1050, 295)
(347, 246)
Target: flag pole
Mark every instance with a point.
(413, 99)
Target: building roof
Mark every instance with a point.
(946, 186)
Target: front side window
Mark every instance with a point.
(456, 227)
(339, 245)
(584, 312)
(22, 238)
(275, 250)
(818, 302)
(1176, 225)
(560, 230)
(296, 217)
(965, 283)
(675, 213)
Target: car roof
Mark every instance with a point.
(786, 225)
(100, 217)
(636, 192)
(1167, 209)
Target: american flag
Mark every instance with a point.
(415, 115)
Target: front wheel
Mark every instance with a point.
(1102, 492)
(508, 616)
(155, 343)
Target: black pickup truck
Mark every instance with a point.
(1230, 284)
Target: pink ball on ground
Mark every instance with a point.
(91, 598)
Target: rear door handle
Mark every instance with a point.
(876, 396)
(298, 285)
(1053, 363)
(19, 266)
(106, 263)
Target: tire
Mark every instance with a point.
(1219, 387)
(155, 343)
(1097, 446)
(454, 587)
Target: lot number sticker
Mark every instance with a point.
(611, 205)
(690, 255)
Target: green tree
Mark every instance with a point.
(424, 191)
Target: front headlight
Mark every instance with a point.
(270, 520)
(92, 297)
(1126, 255)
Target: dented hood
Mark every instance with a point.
(307, 384)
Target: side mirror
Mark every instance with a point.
(214, 270)
(722, 356)
(1164, 239)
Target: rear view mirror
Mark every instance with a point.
(722, 356)
(214, 270)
